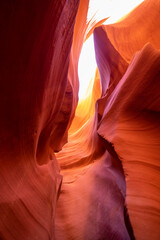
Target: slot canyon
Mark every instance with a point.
(79, 168)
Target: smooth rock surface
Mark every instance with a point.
(87, 170)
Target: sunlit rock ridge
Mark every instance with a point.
(87, 170)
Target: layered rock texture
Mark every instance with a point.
(87, 170)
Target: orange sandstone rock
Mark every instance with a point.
(108, 146)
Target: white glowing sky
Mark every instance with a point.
(103, 8)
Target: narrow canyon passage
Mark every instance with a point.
(72, 166)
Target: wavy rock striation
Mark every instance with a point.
(87, 170)
(36, 39)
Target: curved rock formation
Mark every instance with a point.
(104, 181)
(129, 110)
(35, 43)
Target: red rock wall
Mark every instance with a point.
(129, 109)
(35, 43)
(110, 160)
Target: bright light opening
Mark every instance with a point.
(116, 9)
(87, 66)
